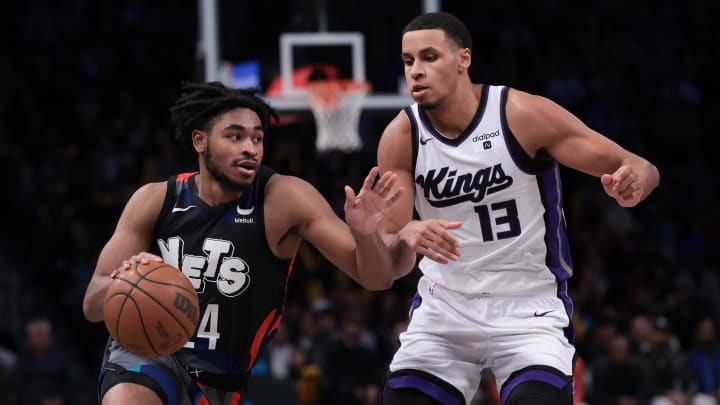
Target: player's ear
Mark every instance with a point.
(464, 59)
(199, 140)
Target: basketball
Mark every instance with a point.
(151, 309)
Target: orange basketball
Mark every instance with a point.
(152, 309)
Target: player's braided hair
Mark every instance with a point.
(454, 28)
(200, 104)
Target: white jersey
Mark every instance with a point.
(513, 239)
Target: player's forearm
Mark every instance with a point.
(404, 256)
(652, 178)
(95, 297)
(374, 262)
(648, 175)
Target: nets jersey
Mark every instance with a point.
(241, 284)
(513, 237)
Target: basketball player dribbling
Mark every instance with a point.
(233, 228)
(485, 159)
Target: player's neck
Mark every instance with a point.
(212, 192)
(451, 118)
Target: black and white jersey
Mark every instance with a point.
(241, 284)
(513, 238)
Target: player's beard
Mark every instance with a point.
(429, 106)
(221, 177)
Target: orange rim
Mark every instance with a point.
(327, 94)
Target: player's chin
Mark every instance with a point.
(238, 183)
(426, 104)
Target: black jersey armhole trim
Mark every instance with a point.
(264, 175)
(263, 178)
(518, 154)
(168, 202)
(414, 137)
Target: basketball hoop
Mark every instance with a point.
(336, 105)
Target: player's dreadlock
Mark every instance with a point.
(199, 105)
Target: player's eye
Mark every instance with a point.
(258, 139)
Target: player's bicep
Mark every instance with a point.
(544, 127)
(323, 228)
(132, 235)
(395, 153)
(588, 152)
(133, 231)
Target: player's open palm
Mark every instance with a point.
(364, 211)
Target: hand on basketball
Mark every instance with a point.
(364, 211)
(142, 257)
(623, 186)
(432, 239)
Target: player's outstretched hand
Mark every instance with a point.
(623, 186)
(142, 257)
(432, 239)
(364, 211)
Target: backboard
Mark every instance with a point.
(293, 97)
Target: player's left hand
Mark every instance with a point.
(623, 186)
(142, 257)
(432, 239)
(364, 211)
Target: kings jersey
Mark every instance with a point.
(241, 284)
(513, 238)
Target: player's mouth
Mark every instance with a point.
(246, 167)
(418, 91)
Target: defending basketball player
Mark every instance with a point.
(233, 228)
(487, 157)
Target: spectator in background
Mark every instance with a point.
(42, 372)
(616, 377)
(704, 358)
(7, 360)
(668, 378)
(280, 354)
(604, 328)
(697, 285)
(352, 371)
(641, 333)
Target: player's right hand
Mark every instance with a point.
(432, 239)
(142, 257)
(623, 185)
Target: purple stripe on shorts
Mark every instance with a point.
(416, 301)
(428, 387)
(532, 375)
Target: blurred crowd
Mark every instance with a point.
(84, 121)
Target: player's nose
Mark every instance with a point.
(416, 70)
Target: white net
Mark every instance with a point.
(337, 105)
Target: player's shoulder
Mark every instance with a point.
(151, 191)
(397, 131)
(524, 102)
(400, 124)
(292, 198)
(287, 187)
(145, 204)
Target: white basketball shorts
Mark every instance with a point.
(454, 336)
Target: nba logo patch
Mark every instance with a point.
(487, 145)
